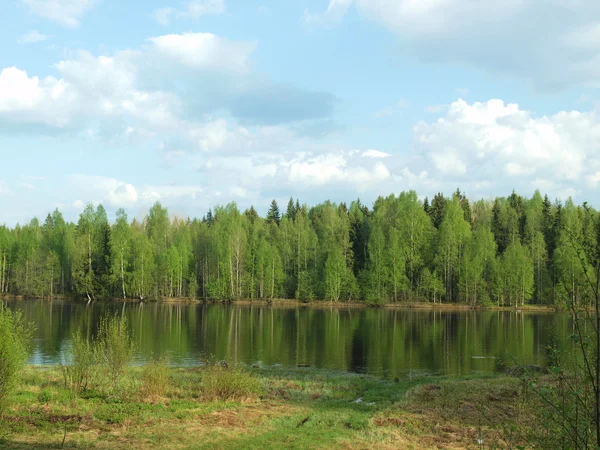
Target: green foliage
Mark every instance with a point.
(82, 369)
(398, 251)
(15, 335)
(114, 347)
(221, 382)
(44, 396)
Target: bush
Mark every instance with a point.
(221, 382)
(15, 339)
(44, 396)
(82, 370)
(114, 347)
(154, 379)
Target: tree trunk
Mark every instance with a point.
(122, 275)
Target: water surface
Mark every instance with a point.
(382, 342)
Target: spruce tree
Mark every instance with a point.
(251, 214)
(438, 206)
(273, 215)
(426, 206)
(291, 210)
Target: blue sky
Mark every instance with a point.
(202, 102)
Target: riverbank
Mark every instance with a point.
(316, 304)
(299, 408)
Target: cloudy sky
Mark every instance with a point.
(197, 103)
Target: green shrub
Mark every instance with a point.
(114, 347)
(221, 382)
(83, 368)
(154, 379)
(15, 339)
(44, 396)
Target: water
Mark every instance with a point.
(382, 342)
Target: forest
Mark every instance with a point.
(509, 251)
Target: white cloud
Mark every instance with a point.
(333, 168)
(205, 51)
(157, 193)
(64, 12)
(448, 162)
(508, 145)
(155, 91)
(123, 196)
(192, 10)
(375, 154)
(32, 37)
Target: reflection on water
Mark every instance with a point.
(383, 342)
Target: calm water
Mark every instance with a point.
(376, 341)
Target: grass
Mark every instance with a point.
(270, 408)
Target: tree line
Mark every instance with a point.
(508, 251)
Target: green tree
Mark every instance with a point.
(273, 216)
(121, 248)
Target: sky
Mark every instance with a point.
(202, 102)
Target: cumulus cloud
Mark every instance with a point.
(324, 169)
(559, 49)
(31, 37)
(192, 10)
(115, 97)
(64, 12)
(508, 145)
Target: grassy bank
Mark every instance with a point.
(269, 408)
(320, 304)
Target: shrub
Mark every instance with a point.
(114, 347)
(15, 339)
(44, 396)
(221, 382)
(154, 379)
(82, 370)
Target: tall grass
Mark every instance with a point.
(221, 382)
(15, 339)
(154, 379)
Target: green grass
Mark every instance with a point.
(273, 408)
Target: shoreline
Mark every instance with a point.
(311, 304)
